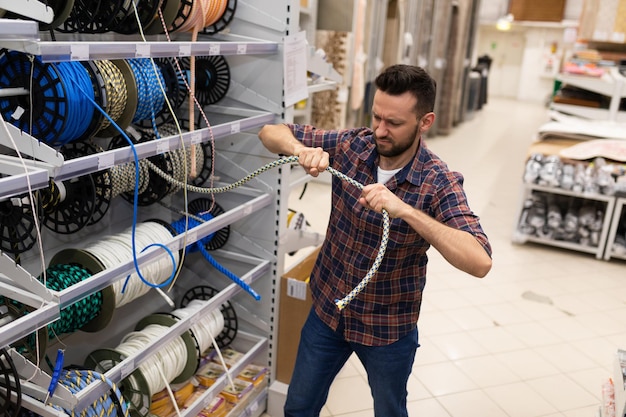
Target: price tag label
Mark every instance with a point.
(242, 49)
(214, 49)
(184, 50)
(105, 160)
(79, 52)
(235, 127)
(162, 146)
(142, 50)
(196, 138)
(192, 236)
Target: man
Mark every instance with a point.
(427, 207)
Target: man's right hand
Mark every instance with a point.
(313, 160)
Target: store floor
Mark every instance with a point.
(537, 336)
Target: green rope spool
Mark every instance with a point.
(79, 314)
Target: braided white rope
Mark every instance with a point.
(169, 359)
(341, 303)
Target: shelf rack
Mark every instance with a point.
(620, 207)
(610, 84)
(598, 251)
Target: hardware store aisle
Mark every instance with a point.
(537, 336)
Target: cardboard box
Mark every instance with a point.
(294, 307)
(537, 10)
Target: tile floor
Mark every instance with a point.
(487, 350)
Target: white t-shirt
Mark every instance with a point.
(384, 175)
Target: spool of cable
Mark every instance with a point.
(150, 100)
(195, 339)
(17, 225)
(169, 11)
(79, 314)
(130, 108)
(32, 346)
(212, 79)
(175, 89)
(87, 17)
(116, 91)
(229, 316)
(153, 374)
(147, 10)
(55, 106)
(157, 187)
(10, 386)
(93, 266)
(102, 180)
(68, 206)
(117, 249)
(227, 12)
(111, 404)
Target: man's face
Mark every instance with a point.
(395, 124)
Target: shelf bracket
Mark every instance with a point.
(29, 8)
(19, 277)
(28, 145)
(38, 382)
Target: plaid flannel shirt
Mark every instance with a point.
(389, 306)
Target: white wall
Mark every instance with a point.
(521, 55)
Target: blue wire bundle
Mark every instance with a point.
(199, 245)
(80, 113)
(150, 99)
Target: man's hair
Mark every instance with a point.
(398, 79)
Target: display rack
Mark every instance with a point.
(256, 213)
(620, 209)
(610, 84)
(598, 251)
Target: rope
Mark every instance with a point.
(150, 101)
(75, 316)
(79, 114)
(77, 380)
(341, 303)
(189, 222)
(118, 249)
(116, 92)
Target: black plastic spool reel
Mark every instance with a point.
(17, 225)
(224, 20)
(205, 292)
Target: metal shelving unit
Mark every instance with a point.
(620, 209)
(255, 213)
(598, 251)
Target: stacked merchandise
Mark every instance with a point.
(236, 394)
(329, 107)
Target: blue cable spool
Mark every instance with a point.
(57, 108)
(150, 100)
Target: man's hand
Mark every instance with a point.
(378, 197)
(313, 160)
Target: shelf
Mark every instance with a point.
(17, 184)
(589, 112)
(610, 83)
(598, 251)
(620, 207)
(59, 51)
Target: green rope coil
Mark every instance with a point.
(75, 316)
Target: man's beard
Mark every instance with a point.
(396, 149)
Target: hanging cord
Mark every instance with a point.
(191, 221)
(341, 303)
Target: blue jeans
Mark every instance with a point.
(323, 352)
